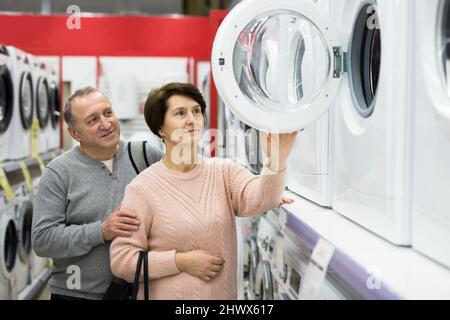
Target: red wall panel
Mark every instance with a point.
(157, 36)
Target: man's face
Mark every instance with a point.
(95, 124)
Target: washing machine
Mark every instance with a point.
(8, 248)
(38, 264)
(54, 135)
(271, 246)
(23, 214)
(431, 209)
(373, 117)
(250, 259)
(265, 286)
(296, 263)
(22, 119)
(6, 103)
(234, 135)
(42, 100)
(310, 163)
(296, 258)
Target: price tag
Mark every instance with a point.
(41, 163)
(317, 270)
(35, 138)
(26, 175)
(4, 183)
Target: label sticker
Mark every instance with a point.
(35, 138)
(41, 163)
(4, 183)
(26, 175)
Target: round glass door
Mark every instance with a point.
(25, 224)
(8, 245)
(26, 100)
(6, 98)
(365, 59)
(43, 102)
(444, 46)
(54, 105)
(274, 63)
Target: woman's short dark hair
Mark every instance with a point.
(156, 104)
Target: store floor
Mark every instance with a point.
(45, 294)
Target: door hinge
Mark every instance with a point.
(340, 62)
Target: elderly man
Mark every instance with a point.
(77, 208)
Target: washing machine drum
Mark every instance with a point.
(8, 245)
(54, 105)
(26, 104)
(24, 225)
(43, 102)
(6, 98)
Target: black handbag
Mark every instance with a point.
(120, 289)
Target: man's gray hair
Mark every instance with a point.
(67, 113)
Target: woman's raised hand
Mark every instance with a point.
(277, 147)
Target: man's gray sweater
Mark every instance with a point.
(75, 194)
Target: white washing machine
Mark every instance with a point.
(42, 101)
(431, 208)
(234, 136)
(38, 264)
(8, 248)
(263, 57)
(6, 102)
(373, 117)
(296, 258)
(265, 285)
(250, 260)
(54, 136)
(23, 213)
(310, 164)
(23, 104)
(296, 263)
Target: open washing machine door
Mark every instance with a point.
(258, 65)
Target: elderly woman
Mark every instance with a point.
(187, 204)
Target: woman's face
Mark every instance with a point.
(183, 121)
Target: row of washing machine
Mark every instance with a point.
(275, 264)
(19, 265)
(368, 81)
(29, 93)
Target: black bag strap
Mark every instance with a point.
(143, 257)
(137, 153)
(145, 275)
